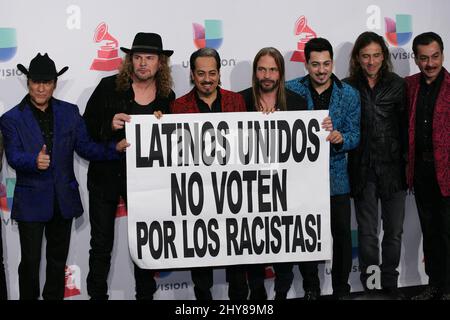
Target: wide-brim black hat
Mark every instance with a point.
(42, 68)
(147, 43)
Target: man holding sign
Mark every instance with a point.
(143, 86)
(323, 91)
(208, 97)
(227, 188)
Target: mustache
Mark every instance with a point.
(206, 83)
(267, 81)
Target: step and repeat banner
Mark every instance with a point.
(87, 35)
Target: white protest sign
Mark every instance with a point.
(228, 188)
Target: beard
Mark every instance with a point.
(263, 85)
(143, 76)
(207, 91)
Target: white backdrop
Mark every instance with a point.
(65, 29)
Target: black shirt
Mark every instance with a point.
(204, 107)
(426, 100)
(321, 101)
(294, 101)
(136, 108)
(159, 104)
(45, 121)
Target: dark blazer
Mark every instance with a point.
(36, 190)
(108, 177)
(441, 131)
(344, 110)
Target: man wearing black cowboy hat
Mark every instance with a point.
(142, 86)
(40, 135)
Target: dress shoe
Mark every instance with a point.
(258, 294)
(340, 296)
(445, 296)
(311, 295)
(280, 295)
(394, 293)
(430, 293)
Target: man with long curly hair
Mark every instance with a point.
(142, 86)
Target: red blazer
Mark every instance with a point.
(230, 102)
(441, 131)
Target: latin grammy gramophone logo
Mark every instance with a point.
(121, 210)
(306, 33)
(108, 55)
(72, 281)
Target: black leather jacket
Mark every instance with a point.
(103, 104)
(384, 135)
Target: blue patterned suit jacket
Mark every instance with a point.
(36, 190)
(344, 110)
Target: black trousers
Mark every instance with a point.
(342, 243)
(256, 274)
(102, 216)
(235, 276)
(342, 259)
(434, 215)
(57, 232)
(3, 292)
(392, 216)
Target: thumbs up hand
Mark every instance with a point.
(43, 159)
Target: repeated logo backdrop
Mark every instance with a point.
(86, 36)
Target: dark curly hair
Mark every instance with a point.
(363, 40)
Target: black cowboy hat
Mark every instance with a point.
(148, 43)
(42, 68)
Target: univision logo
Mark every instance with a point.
(6, 198)
(8, 44)
(399, 32)
(209, 35)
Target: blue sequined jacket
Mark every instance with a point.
(344, 110)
